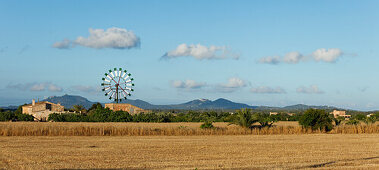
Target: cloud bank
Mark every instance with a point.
(325, 55)
(188, 84)
(65, 44)
(117, 38)
(200, 52)
(313, 89)
(86, 89)
(36, 87)
(232, 85)
(267, 90)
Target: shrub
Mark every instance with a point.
(207, 125)
(370, 120)
(6, 116)
(338, 120)
(24, 117)
(316, 119)
(353, 121)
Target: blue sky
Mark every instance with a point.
(273, 53)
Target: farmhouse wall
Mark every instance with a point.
(41, 110)
(124, 107)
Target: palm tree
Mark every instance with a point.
(79, 109)
(244, 118)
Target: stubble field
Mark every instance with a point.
(336, 151)
(53, 145)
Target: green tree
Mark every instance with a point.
(370, 120)
(207, 125)
(95, 106)
(359, 116)
(7, 115)
(265, 120)
(338, 120)
(353, 121)
(244, 118)
(79, 109)
(316, 119)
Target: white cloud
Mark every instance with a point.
(327, 55)
(53, 87)
(86, 89)
(201, 52)
(267, 90)
(232, 85)
(270, 60)
(313, 89)
(36, 87)
(118, 38)
(293, 57)
(65, 44)
(188, 84)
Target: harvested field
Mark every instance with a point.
(320, 151)
(161, 129)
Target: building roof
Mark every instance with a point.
(37, 103)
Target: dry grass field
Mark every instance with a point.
(308, 151)
(161, 129)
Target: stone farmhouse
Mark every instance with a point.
(125, 107)
(337, 113)
(41, 110)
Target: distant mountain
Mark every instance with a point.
(69, 100)
(305, 107)
(10, 108)
(200, 104)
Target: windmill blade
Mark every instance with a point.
(127, 76)
(124, 94)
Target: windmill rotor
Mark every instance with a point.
(117, 84)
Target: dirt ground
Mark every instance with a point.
(334, 151)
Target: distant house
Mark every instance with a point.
(369, 115)
(41, 110)
(125, 107)
(337, 113)
(290, 114)
(273, 113)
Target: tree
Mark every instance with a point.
(244, 118)
(316, 119)
(265, 120)
(79, 109)
(353, 121)
(338, 120)
(6, 116)
(359, 116)
(370, 120)
(95, 106)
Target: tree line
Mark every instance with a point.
(17, 115)
(313, 118)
